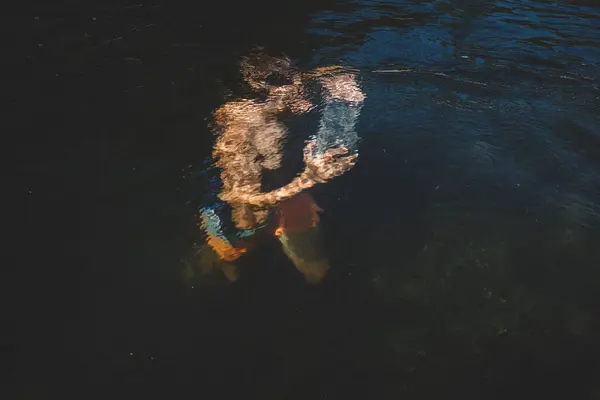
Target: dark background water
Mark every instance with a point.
(464, 243)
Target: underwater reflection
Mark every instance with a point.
(250, 140)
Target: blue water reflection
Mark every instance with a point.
(481, 138)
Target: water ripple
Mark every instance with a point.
(505, 91)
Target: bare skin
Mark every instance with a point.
(251, 139)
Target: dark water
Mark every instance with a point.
(464, 243)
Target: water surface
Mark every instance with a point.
(463, 243)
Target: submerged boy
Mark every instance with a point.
(250, 140)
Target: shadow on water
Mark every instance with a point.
(464, 242)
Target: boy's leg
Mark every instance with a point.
(219, 252)
(302, 249)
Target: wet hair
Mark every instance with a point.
(259, 69)
(279, 79)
